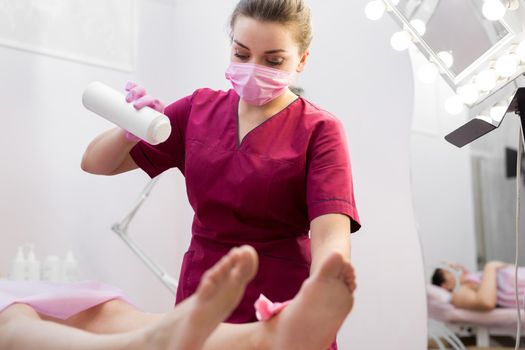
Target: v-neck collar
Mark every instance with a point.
(238, 140)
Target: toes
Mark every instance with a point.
(247, 263)
(348, 276)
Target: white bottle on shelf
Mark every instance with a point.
(18, 266)
(69, 268)
(52, 269)
(32, 265)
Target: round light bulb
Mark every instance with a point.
(374, 10)
(507, 65)
(419, 26)
(400, 41)
(454, 105)
(446, 58)
(468, 93)
(520, 51)
(427, 73)
(486, 80)
(493, 10)
(498, 112)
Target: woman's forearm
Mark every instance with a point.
(322, 249)
(108, 153)
(487, 292)
(329, 233)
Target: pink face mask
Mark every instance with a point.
(257, 85)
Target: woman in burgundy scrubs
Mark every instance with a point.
(262, 166)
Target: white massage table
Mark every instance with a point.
(482, 324)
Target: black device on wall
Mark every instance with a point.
(478, 127)
(510, 164)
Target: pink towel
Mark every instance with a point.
(58, 300)
(506, 287)
(265, 309)
(505, 281)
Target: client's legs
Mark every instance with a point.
(186, 327)
(313, 318)
(22, 329)
(309, 322)
(114, 316)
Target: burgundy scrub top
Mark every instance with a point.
(262, 191)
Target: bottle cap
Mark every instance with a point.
(161, 131)
(31, 255)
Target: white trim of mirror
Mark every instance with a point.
(511, 23)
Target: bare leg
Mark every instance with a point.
(114, 316)
(312, 319)
(185, 328)
(322, 304)
(310, 322)
(21, 329)
(219, 292)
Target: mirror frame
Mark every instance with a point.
(511, 23)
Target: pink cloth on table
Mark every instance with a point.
(506, 285)
(266, 309)
(58, 300)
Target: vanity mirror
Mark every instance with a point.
(475, 45)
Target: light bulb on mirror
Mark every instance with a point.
(468, 93)
(374, 10)
(454, 105)
(419, 26)
(428, 72)
(507, 65)
(486, 80)
(498, 112)
(400, 41)
(447, 58)
(493, 10)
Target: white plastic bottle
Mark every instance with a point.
(146, 123)
(52, 269)
(69, 268)
(33, 266)
(18, 266)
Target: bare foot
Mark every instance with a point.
(314, 316)
(188, 326)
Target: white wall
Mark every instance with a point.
(441, 178)
(353, 73)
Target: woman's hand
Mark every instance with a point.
(137, 94)
(459, 267)
(495, 264)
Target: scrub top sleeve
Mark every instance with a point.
(329, 174)
(170, 154)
